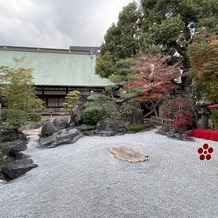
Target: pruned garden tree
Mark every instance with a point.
(71, 106)
(145, 79)
(71, 101)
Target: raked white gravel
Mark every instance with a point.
(83, 180)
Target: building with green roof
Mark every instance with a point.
(57, 71)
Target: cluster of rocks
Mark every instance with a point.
(174, 133)
(13, 162)
(56, 133)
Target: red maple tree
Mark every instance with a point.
(179, 110)
(154, 75)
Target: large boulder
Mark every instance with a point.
(110, 127)
(64, 136)
(18, 168)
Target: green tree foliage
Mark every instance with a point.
(214, 117)
(204, 59)
(19, 92)
(13, 117)
(105, 65)
(102, 105)
(35, 117)
(123, 70)
(92, 114)
(121, 40)
(157, 26)
(167, 23)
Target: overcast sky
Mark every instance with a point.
(57, 23)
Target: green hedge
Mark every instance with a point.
(86, 127)
(139, 126)
(13, 117)
(35, 117)
(92, 114)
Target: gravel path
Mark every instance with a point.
(83, 180)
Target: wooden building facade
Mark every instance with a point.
(57, 71)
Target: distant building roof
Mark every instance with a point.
(93, 50)
(55, 67)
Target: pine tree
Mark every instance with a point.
(71, 101)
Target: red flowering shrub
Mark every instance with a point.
(179, 110)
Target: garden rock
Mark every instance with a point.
(11, 135)
(163, 130)
(61, 122)
(2, 176)
(110, 127)
(89, 133)
(13, 162)
(76, 116)
(18, 168)
(64, 136)
(174, 133)
(48, 129)
(12, 141)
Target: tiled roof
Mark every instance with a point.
(55, 67)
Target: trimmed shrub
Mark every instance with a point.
(13, 117)
(93, 114)
(35, 117)
(86, 127)
(137, 127)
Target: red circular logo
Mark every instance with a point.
(205, 152)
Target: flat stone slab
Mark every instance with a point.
(128, 154)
